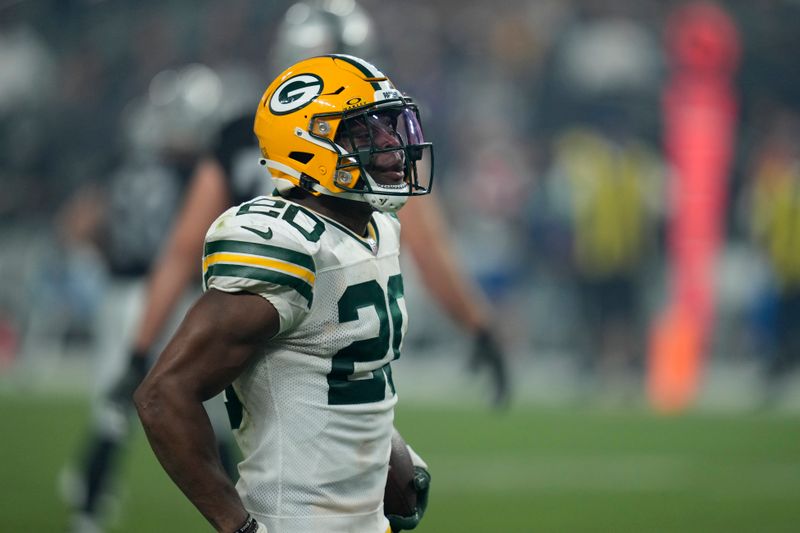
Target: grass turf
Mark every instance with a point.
(528, 470)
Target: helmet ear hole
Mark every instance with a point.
(301, 157)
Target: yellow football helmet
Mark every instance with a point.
(336, 125)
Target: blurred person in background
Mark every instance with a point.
(65, 285)
(165, 130)
(45, 300)
(28, 69)
(608, 188)
(603, 189)
(773, 196)
(605, 60)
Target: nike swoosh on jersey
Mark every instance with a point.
(266, 235)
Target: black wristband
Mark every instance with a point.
(250, 526)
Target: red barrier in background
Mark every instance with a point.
(700, 116)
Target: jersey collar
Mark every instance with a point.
(371, 241)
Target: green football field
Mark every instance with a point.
(531, 469)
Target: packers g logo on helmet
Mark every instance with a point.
(295, 93)
(335, 125)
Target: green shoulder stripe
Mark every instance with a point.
(264, 250)
(270, 276)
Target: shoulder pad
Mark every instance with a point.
(264, 248)
(268, 219)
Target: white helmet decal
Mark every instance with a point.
(295, 93)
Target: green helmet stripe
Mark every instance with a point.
(363, 68)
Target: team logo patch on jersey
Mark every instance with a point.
(295, 93)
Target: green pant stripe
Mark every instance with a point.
(264, 250)
(262, 274)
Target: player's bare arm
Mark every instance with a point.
(220, 335)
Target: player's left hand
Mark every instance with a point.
(487, 352)
(422, 484)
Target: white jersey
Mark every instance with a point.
(313, 415)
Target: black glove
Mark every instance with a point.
(422, 484)
(487, 352)
(121, 393)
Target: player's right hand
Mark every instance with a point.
(121, 392)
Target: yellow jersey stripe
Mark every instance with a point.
(263, 262)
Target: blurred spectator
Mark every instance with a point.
(774, 208)
(605, 61)
(66, 283)
(607, 189)
(27, 74)
(27, 56)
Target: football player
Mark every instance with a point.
(230, 175)
(302, 314)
